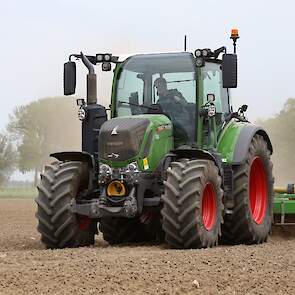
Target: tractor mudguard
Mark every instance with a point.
(243, 142)
(75, 156)
(234, 141)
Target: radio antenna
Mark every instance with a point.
(184, 42)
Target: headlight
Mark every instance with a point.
(211, 110)
(105, 170)
(107, 57)
(132, 168)
(200, 62)
(205, 52)
(99, 57)
(198, 53)
(81, 114)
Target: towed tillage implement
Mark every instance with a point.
(284, 205)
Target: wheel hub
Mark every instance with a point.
(258, 190)
(209, 206)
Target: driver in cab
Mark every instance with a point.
(175, 105)
(168, 95)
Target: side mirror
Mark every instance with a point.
(69, 78)
(230, 70)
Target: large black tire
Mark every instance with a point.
(119, 230)
(250, 221)
(59, 227)
(192, 204)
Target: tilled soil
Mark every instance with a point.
(26, 268)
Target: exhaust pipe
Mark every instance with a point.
(91, 81)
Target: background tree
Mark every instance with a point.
(42, 127)
(281, 129)
(7, 158)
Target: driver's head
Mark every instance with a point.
(161, 86)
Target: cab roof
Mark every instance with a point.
(160, 62)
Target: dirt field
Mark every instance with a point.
(26, 268)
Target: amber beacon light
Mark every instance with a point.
(234, 36)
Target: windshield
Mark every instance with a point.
(160, 83)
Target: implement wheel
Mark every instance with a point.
(59, 228)
(250, 221)
(192, 207)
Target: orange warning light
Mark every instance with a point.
(234, 33)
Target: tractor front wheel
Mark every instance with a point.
(250, 219)
(60, 228)
(192, 204)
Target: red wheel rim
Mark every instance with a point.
(84, 222)
(258, 190)
(209, 206)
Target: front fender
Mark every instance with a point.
(235, 140)
(193, 154)
(75, 156)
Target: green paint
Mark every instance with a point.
(284, 203)
(117, 72)
(199, 104)
(228, 139)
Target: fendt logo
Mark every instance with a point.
(114, 131)
(113, 155)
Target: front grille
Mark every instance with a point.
(120, 138)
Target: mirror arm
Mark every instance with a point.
(218, 51)
(77, 56)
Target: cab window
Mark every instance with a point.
(212, 84)
(128, 83)
(184, 82)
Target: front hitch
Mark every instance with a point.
(97, 208)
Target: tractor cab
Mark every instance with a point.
(159, 84)
(174, 85)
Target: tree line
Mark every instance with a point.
(281, 129)
(50, 124)
(34, 131)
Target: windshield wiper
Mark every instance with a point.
(137, 105)
(179, 81)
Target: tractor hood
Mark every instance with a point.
(120, 138)
(134, 138)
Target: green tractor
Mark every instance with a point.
(174, 162)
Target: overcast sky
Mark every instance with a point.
(37, 37)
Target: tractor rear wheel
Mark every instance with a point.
(119, 230)
(60, 228)
(192, 204)
(250, 221)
